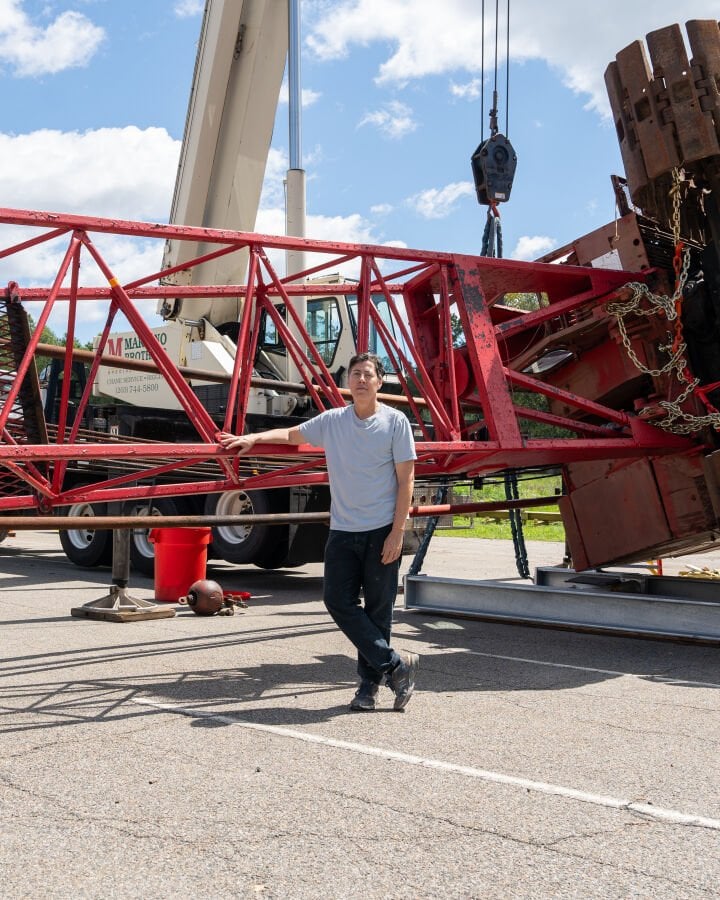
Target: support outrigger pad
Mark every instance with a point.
(119, 606)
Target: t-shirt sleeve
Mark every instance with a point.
(313, 431)
(403, 445)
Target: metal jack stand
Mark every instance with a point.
(118, 605)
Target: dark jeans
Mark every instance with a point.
(353, 562)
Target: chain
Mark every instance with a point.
(678, 176)
(643, 302)
(657, 304)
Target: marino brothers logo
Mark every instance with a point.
(132, 347)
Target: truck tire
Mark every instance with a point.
(240, 543)
(87, 547)
(276, 556)
(142, 550)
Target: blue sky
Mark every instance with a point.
(93, 95)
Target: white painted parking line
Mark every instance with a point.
(556, 665)
(647, 810)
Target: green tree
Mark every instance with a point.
(527, 301)
(47, 336)
(457, 331)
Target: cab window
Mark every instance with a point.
(322, 323)
(375, 344)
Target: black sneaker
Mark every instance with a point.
(401, 680)
(365, 697)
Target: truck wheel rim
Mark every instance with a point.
(140, 535)
(81, 538)
(234, 503)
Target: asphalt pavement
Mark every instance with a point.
(216, 757)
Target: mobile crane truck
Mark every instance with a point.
(234, 96)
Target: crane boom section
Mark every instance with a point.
(235, 91)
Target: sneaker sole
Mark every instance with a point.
(402, 701)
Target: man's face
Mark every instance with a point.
(364, 381)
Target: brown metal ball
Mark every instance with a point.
(205, 598)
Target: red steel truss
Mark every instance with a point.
(470, 405)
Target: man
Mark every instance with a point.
(370, 455)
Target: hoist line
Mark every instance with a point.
(507, 73)
(497, 29)
(482, 76)
(493, 110)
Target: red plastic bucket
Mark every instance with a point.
(180, 560)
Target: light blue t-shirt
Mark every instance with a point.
(361, 455)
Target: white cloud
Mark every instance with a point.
(128, 258)
(529, 248)
(577, 42)
(111, 172)
(184, 9)
(394, 119)
(468, 91)
(122, 172)
(273, 191)
(381, 209)
(438, 203)
(69, 41)
(353, 229)
(307, 96)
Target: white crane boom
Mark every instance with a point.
(234, 97)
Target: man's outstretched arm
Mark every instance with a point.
(245, 442)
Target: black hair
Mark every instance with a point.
(368, 357)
